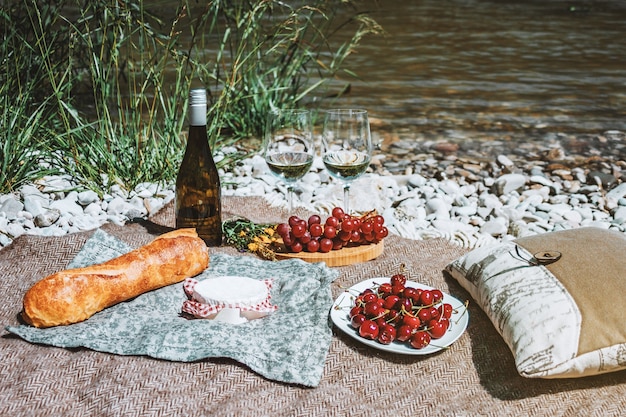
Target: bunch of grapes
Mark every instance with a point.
(339, 230)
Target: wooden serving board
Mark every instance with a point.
(341, 257)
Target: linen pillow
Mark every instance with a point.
(558, 299)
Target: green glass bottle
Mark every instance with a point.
(198, 188)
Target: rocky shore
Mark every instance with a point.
(470, 192)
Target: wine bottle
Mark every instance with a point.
(198, 188)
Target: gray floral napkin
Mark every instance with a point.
(289, 346)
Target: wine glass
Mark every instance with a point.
(346, 146)
(288, 146)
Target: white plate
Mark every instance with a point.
(339, 313)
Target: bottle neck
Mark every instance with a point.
(197, 115)
(197, 107)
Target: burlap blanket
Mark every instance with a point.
(475, 376)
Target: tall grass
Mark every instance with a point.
(98, 90)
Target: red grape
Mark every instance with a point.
(314, 219)
(338, 213)
(326, 245)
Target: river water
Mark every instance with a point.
(488, 69)
(492, 70)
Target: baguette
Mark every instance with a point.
(74, 295)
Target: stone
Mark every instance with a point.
(495, 227)
(47, 218)
(35, 204)
(505, 162)
(606, 181)
(67, 205)
(508, 183)
(84, 222)
(85, 198)
(116, 206)
(437, 208)
(620, 215)
(15, 230)
(614, 196)
(11, 207)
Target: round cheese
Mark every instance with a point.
(231, 290)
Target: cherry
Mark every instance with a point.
(397, 288)
(404, 333)
(445, 310)
(356, 310)
(387, 334)
(373, 309)
(369, 329)
(380, 321)
(369, 296)
(391, 301)
(405, 304)
(434, 313)
(293, 220)
(398, 279)
(357, 320)
(411, 321)
(393, 316)
(437, 295)
(437, 328)
(411, 293)
(393, 311)
(426, 298)
(424, 315)
(420, 339)
(385, 289)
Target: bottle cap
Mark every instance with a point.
(197, 97)
(197, 107)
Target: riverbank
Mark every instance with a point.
(472, 193)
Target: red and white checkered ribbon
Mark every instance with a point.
(201, 310)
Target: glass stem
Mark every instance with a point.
(290, 197)
(346, 198)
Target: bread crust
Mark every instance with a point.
(74, 295)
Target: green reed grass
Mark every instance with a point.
(98, 90)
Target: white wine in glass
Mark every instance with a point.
(288, 146)
(346, 146)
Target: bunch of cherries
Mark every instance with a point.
(393, 311)
(339, 230)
